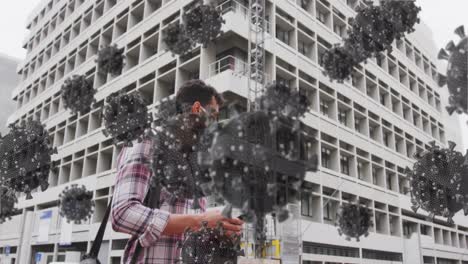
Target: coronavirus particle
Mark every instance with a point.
(110, 59)
(78, 94)
(176, 39)
(254, 158)
(402, 14)
(25, 155)
(372, 29)
(436, 182)
(372, 32)
(210, 245)
(177, 142)
(76, 204)
(338, 64)
(126, 118)
(457, 73)
(7, 204)
(353, 221)
(203, 23)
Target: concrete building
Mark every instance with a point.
(367, 129)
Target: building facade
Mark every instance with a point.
(366, 129)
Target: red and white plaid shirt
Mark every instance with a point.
(144, 224)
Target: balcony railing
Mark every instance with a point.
(228, 63)
(238, 8)
(234, 64)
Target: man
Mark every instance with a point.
(158, 230)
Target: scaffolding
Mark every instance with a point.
(257, 29)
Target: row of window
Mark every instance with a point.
(338, 107)
(136, 13)
(313, 47)
(333, 19)
(322, 206)
(351, 252)
(138, 50)
(50, 26)
(44, 11)
(441, 236)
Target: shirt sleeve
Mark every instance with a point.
(129, 215)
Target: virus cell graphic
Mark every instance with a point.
(372, 31)
(353, 221)
(25, 156)
(110, 59)
(7, 204)
(210, 246)
(436, 182)
(78, 94)
(338, 63)
(165, 110)
(177, 143)
(76, 204)
(457, 73)
(203, 23)
(176, 39)
(254, 160)
(402, 14)
(126, 117)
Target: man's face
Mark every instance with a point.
(211, 110)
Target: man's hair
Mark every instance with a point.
(196, 90)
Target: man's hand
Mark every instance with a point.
(231, 225)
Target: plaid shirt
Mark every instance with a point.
(144, 224)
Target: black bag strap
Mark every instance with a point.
(100, 234)
(94, 251)
(151, 200)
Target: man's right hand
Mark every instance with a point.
(215, 216)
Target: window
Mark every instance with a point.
(324, 108)
(344, 162)
(331, 250)
(374, 176)
(343, 117)
(306, 203)
(326, 158)
(283, 81)
(359, 170)
(357, 125)
(382, 99)
(322, 17)
(305, 4)
(303, 48)
(406, 229)
(282, 35)
(386, 139)
(424, 230)
(389, 182)
(381, 255)
(327, 214)
(338, 29)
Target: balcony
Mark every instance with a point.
(231, 7)
(230, 74)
